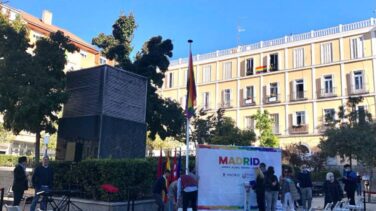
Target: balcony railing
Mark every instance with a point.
(248, 102)
(358, 90)
(299, 129)
(281, 41)
(225, 104)
(272, 99)
(328, 92)
(299, 95)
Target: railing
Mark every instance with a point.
(272, 99)
(358, 90)
(329, 92)
(281, 41)
(298, 129)
(248, 102)
(225, 104)
(299, 95)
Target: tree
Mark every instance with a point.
(218, 129)
(163, 117)
(32, 86)
(344, 137)
(264, 125)
(5, 136)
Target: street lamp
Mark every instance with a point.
(46, 140)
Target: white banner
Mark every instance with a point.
(224, 170)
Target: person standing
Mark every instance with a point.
(358, 184)
(42, 181)
(349, 179)
(172, 195)
(332, 190)
(160, 189)
(259, 188)
(289, 192)
(20, 183)
(271, 189)
(188, 186)
(305, 185)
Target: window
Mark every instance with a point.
(326, 53)
(299, 57)
(249, 66)
(227, 98)
(249, 123)
(83, 53)
(329, 115)
(275, 124)
(227, 71)
(356, 47)
(328, 84)
(205, 101)
(249, 95)
(272, 93)
(358, 81)
(274, 62)
(206, 73)
(170, 80)
(299, 87)
(300, 118)
(273, 89)
(102, 60)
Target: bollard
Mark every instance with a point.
(364, 200)
(1, 198)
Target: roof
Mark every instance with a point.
(38, 23)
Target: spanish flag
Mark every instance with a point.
(191, 89)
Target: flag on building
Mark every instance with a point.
(191, 89)
(261, 69)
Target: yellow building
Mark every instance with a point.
(87, 56)
(299, 79)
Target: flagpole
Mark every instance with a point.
(187, 129)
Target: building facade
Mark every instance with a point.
(87, 56)
(300, 79)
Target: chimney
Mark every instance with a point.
(47, 17)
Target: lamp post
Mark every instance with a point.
(46, 140)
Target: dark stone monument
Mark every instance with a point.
(104, 116)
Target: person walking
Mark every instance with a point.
(259, 188)
(160, 189)
(20, 183)
(358, 184)
(188, 187)
(271, 189)
(305, 185)
(289, 192)
(172, 196)
(332, 190)
(42, 181)
(349, 179)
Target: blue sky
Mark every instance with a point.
(212, 24)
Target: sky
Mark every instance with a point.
(211, 24)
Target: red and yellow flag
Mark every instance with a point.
(191, 89)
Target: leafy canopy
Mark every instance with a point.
(163, 116)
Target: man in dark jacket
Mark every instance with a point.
(20, 183)
(349, 179)
(305, 185)
(42, 181)
(271, 189)
(160, 188)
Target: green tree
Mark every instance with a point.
(218, 129)
(32, 86)
(264, 124)
(352, 135)
(163, 117)
(5, 135)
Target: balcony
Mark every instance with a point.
(329, 92)
(299, 129)
(247, 102)
(299, 96)
(269, 99)
(358, 90)
(225, 104)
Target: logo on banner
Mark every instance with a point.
(244, 161)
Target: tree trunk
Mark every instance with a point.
(37, 146)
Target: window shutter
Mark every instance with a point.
(294, 89)
(322, 53)
(254, 94)
(305, 118)
(323, 117)
(278, 89)
(322, 85)
(277, 61)
(352, 49)
(360, 47)
(352, 82)
(203, 100)
(267, 90)
(231, 97)
(294, 119)
(241, 97)
(222, 98)
(295, 58)
(244, 94)
(333, 84)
